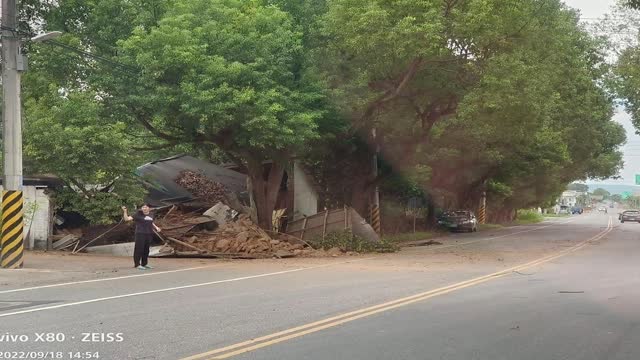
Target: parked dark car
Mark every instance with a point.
(630, 215)
(459, 220)
(576, 210)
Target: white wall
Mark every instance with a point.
(305, 197)
(37, 217)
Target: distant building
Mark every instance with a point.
(569, 198)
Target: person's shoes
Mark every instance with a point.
(141, 268)
(149, 267)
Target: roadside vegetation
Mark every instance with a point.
(526, 217)
(551, 215)
(462, 102)
(346, 241)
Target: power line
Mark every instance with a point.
(118, 65)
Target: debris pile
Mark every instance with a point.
(201, 186)
(225, 236)
(65, 239)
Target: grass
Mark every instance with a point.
(555, 215)
(526, 217)
(347, 241)
(405, 237)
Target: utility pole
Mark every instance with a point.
(12, 237)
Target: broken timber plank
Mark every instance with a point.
(202, 251)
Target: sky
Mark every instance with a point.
(596, 9)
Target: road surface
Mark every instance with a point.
(568, 288)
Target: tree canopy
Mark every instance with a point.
(578, 187)
(602, 192)
(511, 104)
(465, 96)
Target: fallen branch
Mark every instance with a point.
(201, 251)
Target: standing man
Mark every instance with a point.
(144, 235)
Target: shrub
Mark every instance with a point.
(347, 241)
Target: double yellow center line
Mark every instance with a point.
(292, 333)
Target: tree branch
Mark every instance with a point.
(142, 118)
(155, 147)
(81, 188)
(393, 92)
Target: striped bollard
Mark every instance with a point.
(482, 211)
(375, 219)
(11, 235)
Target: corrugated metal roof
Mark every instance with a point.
(160, 175)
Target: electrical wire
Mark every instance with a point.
(118, 65)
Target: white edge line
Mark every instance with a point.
(104, 279)
(498, 237)
(189, 286)
(123, 277)
(173, 288)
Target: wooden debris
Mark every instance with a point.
(202, 187)
(65, 242)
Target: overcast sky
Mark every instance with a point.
(596, 9)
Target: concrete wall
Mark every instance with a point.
(124, 249)
(38, 215)
(305, 197)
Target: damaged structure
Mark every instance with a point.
(204, 210)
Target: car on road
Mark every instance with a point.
(602, 209)
(630, 215)
(459, 220)
(576, 210)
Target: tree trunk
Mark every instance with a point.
(265, 191)
(503, 215)
(431, 211)
(360, 197)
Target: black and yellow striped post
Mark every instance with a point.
(12, 238)
(375, 219)
(482, 211)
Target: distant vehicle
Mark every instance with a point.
(611, 206)
(602, 209)
(564, 209)
(630, 215)
(576, 210)
(462, 220)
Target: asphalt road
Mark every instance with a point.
(565, 289)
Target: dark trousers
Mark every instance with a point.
(141, 249)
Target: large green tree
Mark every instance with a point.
(70, 131)
(512, 104)
(602, 192)
(466, 95)
(228, 73)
